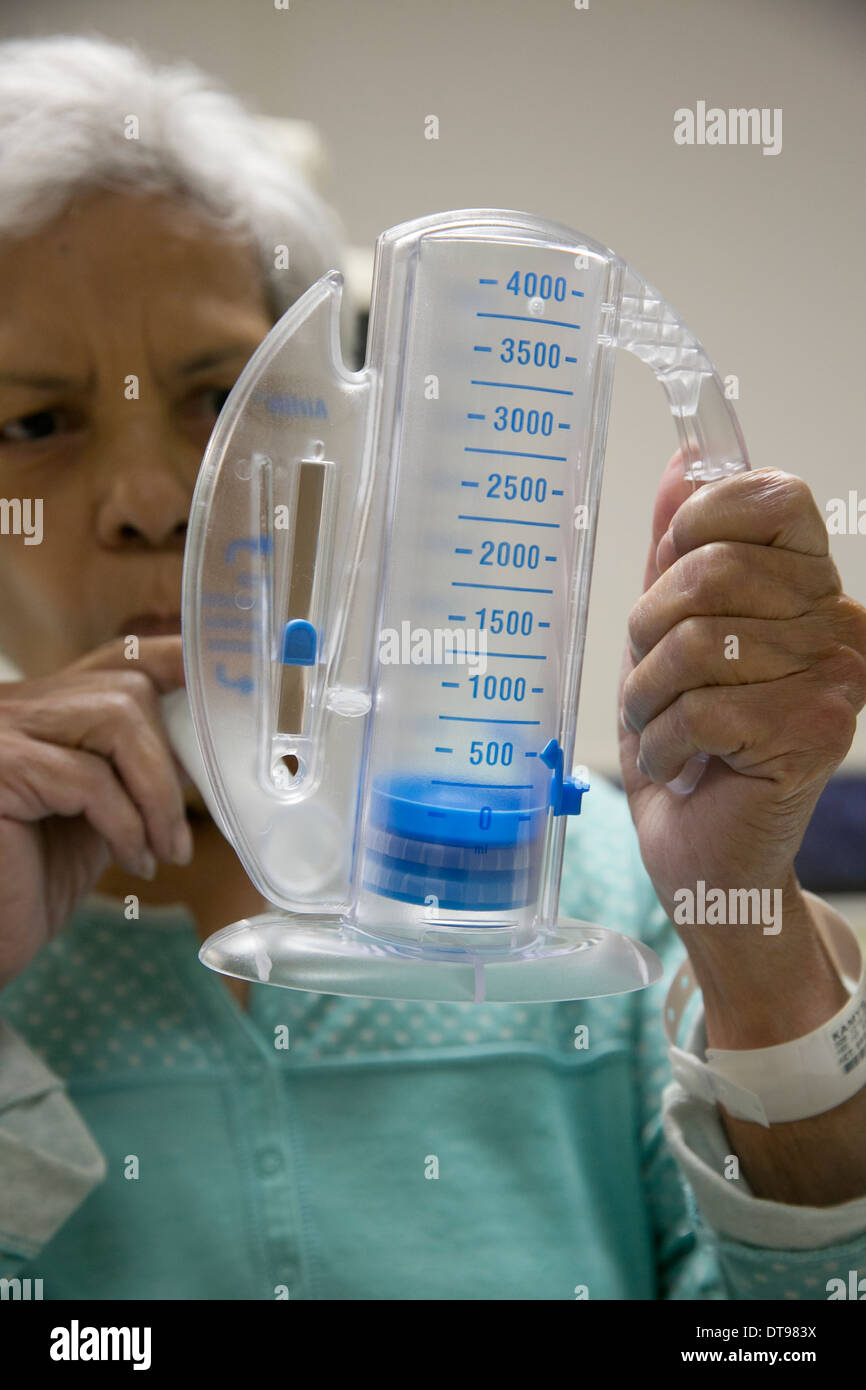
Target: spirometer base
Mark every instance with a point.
(577, 960)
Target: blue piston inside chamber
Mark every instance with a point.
(473, 848)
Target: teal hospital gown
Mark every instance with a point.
(156, 1141)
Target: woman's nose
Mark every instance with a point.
(146, 503)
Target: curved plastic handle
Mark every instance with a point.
(711, 440)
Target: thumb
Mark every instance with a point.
(673, 490)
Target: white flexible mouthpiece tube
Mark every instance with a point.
(182, 737)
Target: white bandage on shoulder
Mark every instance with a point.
(793, 1080)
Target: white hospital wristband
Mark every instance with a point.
(793, 1080)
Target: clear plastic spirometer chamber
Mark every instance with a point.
(386, 587)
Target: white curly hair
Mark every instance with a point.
(65, 104)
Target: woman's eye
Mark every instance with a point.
(40, 425)
(211, 401)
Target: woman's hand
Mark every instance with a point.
(746, 648)
(743, 646)
(86, 776)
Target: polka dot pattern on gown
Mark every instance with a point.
(129, 1002)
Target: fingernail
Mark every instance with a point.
(685, 783)
(146, 865)
(629, 728)
(181, 844)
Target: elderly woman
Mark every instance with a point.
(154, 1142)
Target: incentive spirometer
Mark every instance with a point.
(385, 595)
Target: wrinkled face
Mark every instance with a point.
(123, 325)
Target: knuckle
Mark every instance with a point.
(121, 704)
(845, 670)
(688, 713)
(781, 490)
(686, 642)
(131, 696)
(840, 666)
(636, 626)
(629, 687)
(850, 616)
(833, 584)
(794, 492)
(137, 684)
(707, 572)
(833, 723)
(790, 497)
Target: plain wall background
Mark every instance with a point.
(569, 114)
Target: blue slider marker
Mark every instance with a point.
(565, 792)
(299, 643)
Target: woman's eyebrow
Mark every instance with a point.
(50, 381)
(205, 360)
(42, 381)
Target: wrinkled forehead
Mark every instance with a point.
(127, 262)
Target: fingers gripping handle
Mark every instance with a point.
(711, 441)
